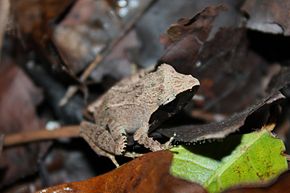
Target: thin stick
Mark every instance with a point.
(99, 58)
(4, 13)
(73, 89)
(40, 135)
(90, 68)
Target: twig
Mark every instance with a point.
(100, 57)
(4, 13)
(40, 135)
(73, 89)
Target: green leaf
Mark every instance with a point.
(258, 158)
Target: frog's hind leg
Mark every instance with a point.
(100, 141)
(101, 152)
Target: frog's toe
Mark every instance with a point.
(121, 145)
(168, 144)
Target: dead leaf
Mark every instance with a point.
(218, 130)
(234, 81)
(92, 28)
(184, 39)
(225, 65)
(18, 100)
(228, 70)
(34, 22)
(147, 174)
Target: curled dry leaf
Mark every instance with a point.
(184, 39)
(225, 66)
(191, 133)
(234, 79)
(218, 130)
(147, 174)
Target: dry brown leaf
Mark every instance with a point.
(147, 174)
(34, 22)
(184, 38)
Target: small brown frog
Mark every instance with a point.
(126, 109)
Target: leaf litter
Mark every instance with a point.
(243, 87)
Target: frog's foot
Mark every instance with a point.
(142, 137)
(112, 157)
(168, 144)
(120, 145)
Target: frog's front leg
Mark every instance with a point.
(141, 136)
(99, 140)
(119, 135)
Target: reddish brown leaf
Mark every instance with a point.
(147, 174)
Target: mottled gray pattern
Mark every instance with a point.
(127, 107)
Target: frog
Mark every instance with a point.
(125, 109)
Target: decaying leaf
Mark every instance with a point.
(218, 130)
(91, 27)
(18, 100)
(237, 82)
(147, 174)
(34, 22)
(184, 39)
(225, 65)
(234, 81)
(257, 159)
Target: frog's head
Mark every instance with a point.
(174, 83)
